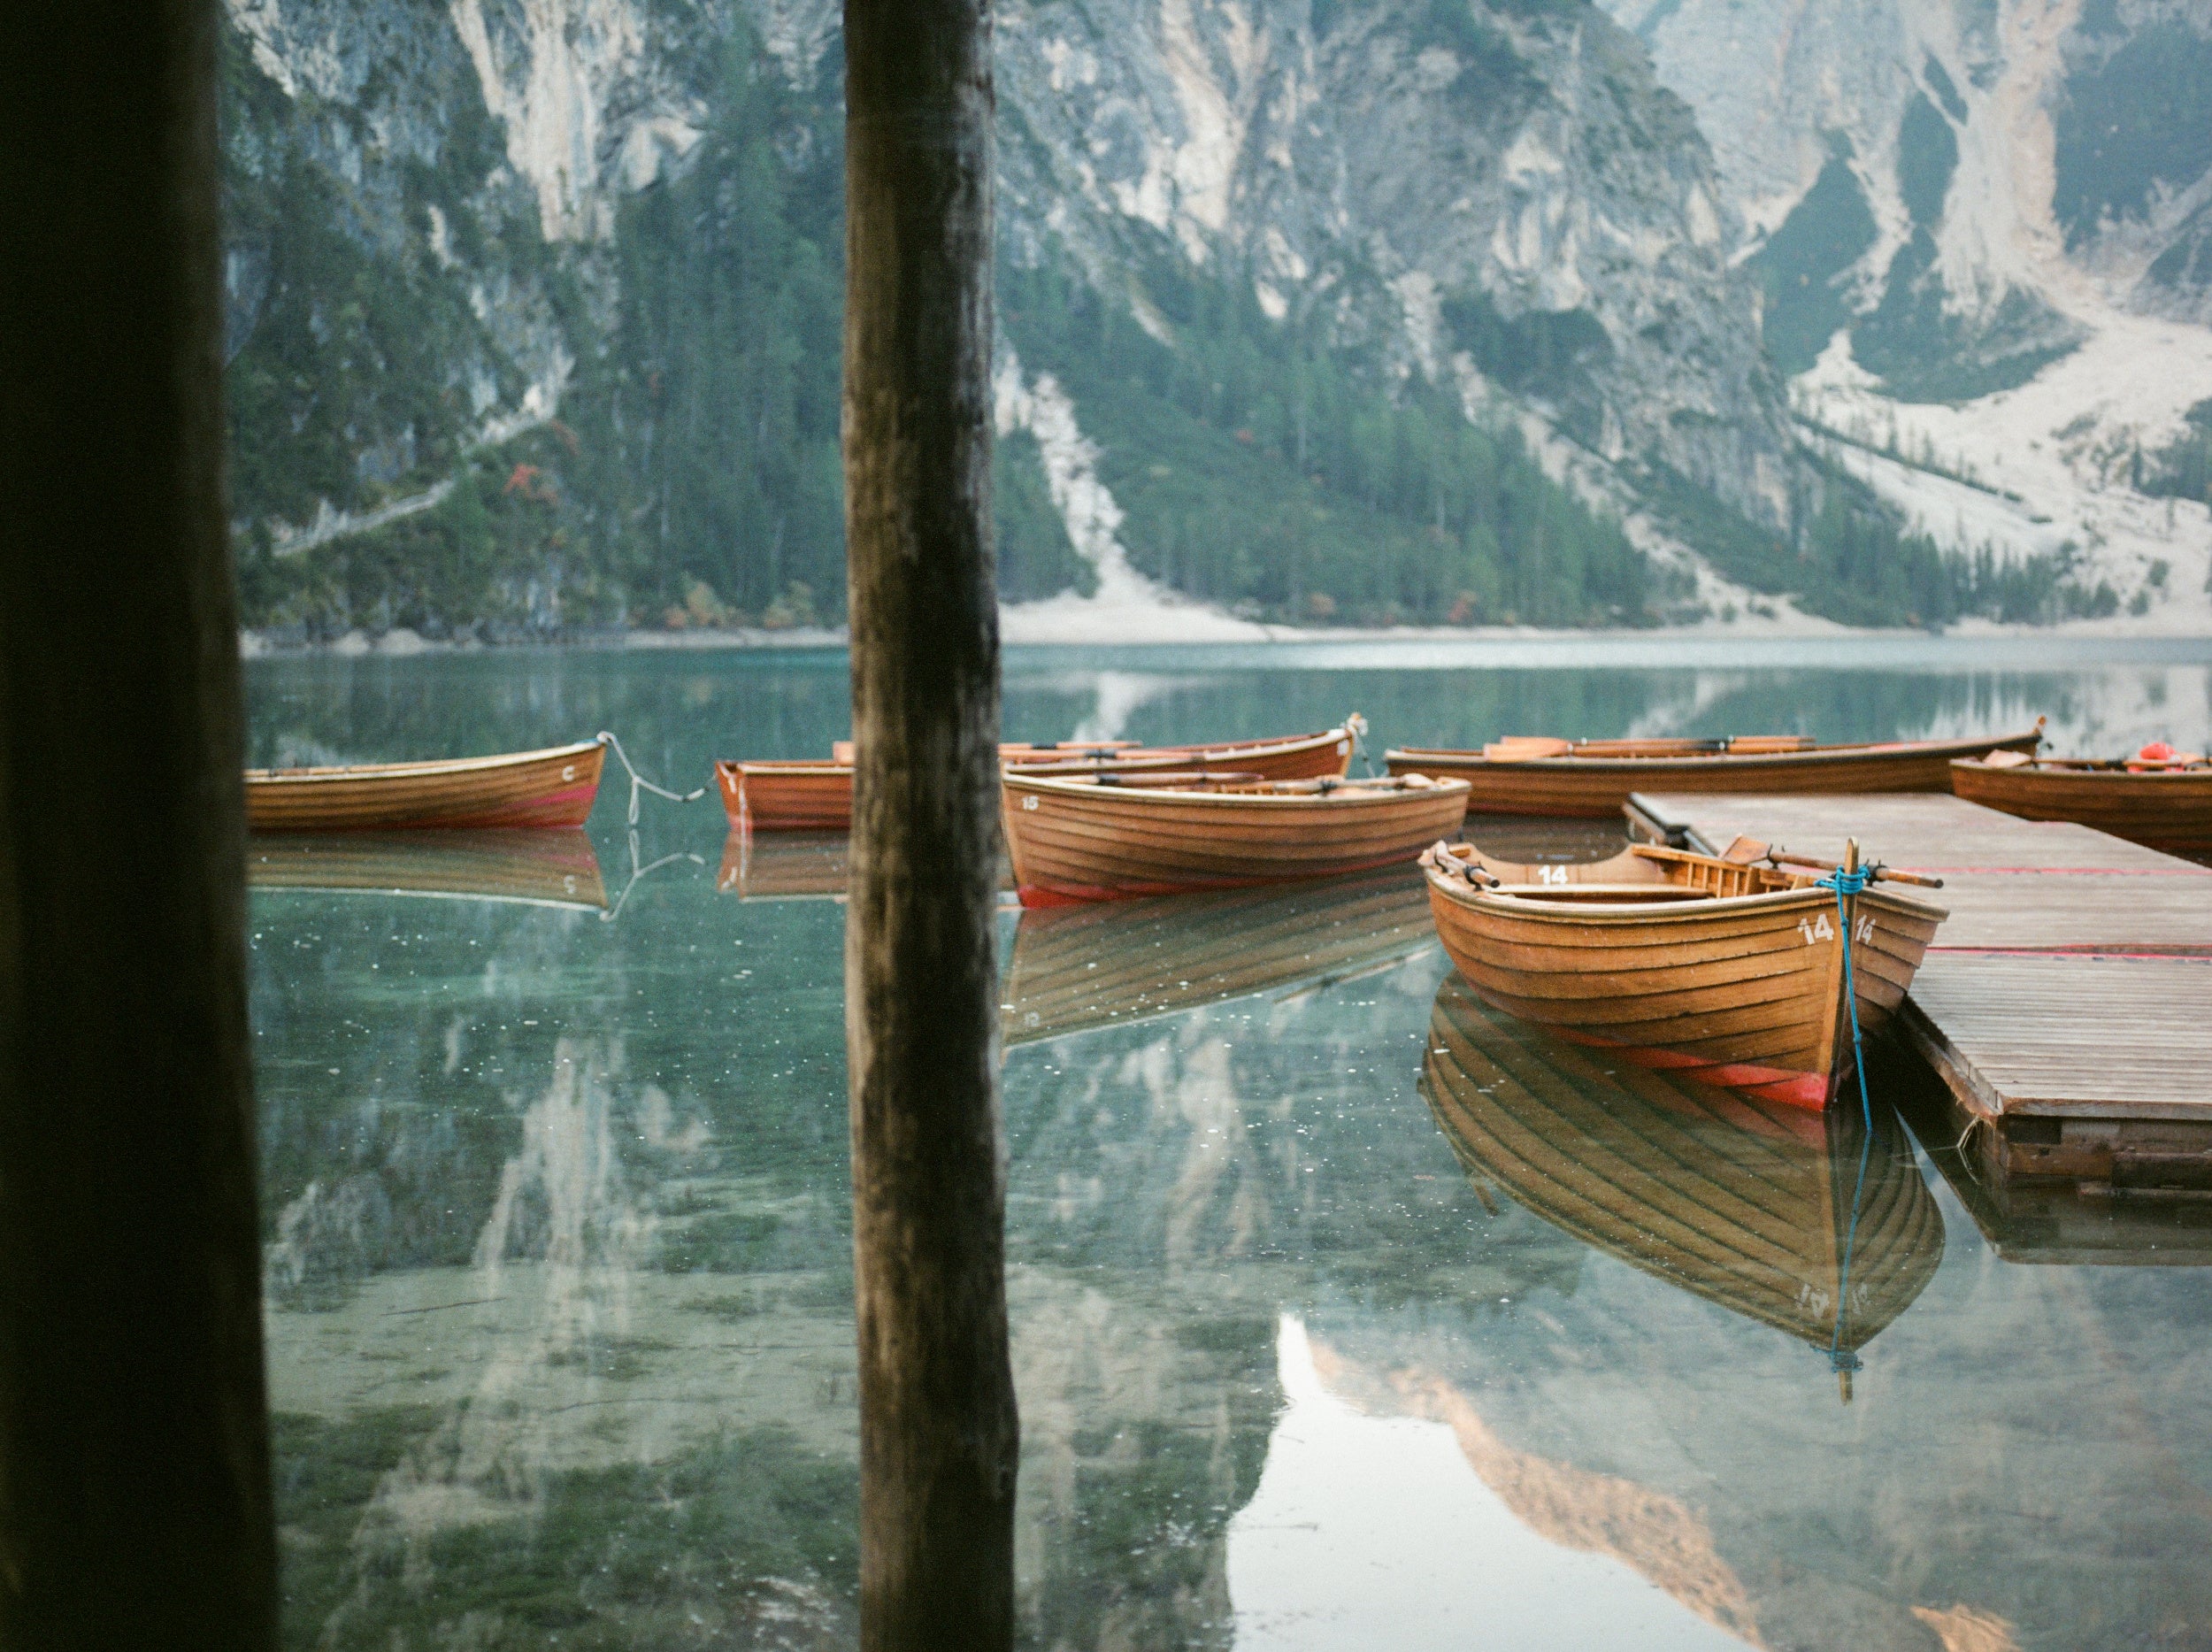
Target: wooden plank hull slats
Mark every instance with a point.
(1728, 973)
(2162, 809)
(537, 789)
(1594, 777)
(1743, 1201)
(816, 794)
(1096, 839)
(806, 795)
(1111, 964)
(532, 868)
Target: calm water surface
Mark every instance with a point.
(1346, 1315)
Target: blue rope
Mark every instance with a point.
(1847, 884)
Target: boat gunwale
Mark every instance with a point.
(427, 768)
(825, 767)
(1568, 912)
(2080, 771)
(1343, 793)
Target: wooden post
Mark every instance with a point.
(938, 1432)
(135, 1504)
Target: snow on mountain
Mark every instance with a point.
(1981, 225)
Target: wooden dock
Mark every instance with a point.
(2067, 1003)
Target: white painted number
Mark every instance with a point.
(1864, 931)
(1343, 748)
(569, 773)
(1551, 874)
(1816, 930)
(1029, 802)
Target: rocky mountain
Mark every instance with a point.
(1978, 226)
(1312, 311)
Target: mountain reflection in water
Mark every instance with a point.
(557, 1234)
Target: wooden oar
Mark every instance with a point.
(1176, 780)
(1877, 872)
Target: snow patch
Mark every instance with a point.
(1126, 607)
(2054, 458)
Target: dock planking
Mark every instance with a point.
(2067, 1003)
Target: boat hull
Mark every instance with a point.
(808, 795)
(1594, 787)
(1742, 992)
(1070, 841)
(800, 796)
(537, 789)
(2170, 812)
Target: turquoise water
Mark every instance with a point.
(1344, 1316)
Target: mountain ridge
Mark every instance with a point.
(1384, 313)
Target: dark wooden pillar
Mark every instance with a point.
(133, 1437)
(938, 1433)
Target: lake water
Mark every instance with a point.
(1345, 1314)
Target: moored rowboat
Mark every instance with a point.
(817, 795)
(552, 788)
(803, 795)
(1107, 837)
(2165, 804)
(1716, 969)
(1521, 776)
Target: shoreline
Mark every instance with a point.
(1825, 643)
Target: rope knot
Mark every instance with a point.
(1843, 883)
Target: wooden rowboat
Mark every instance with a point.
(803, 795)
(2166, 804)
(1106, 837)
(816, 794)
(1714, 968)
(1112, 963)
(1522, 776)
(553, 787)
(531, 868)
(1797, 1222)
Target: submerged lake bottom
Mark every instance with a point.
(1346, 1313)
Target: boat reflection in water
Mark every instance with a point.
(543, 867)
(1108, 964)
(1800, 1221)
(782, 866)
